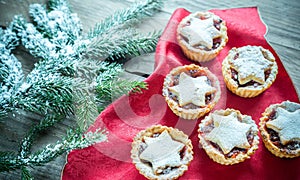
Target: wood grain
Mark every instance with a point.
(280, 16)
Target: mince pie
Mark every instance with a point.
(249, 70)
(191, 91)
(280, 129)
(161, 152)
(228, 137)
(202, 35)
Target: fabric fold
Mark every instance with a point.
(125, 117)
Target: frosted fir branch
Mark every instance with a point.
(61, 66)
(54, 35)
(61, 5)
(11, 78)
(85, 107)
(109, 86)
(85, 103)
(44, 124)
(108, 71)
(26, 174)
(107, 91)
(136, 46)
(11, 73)
(33, 40)
(47, 93)
(138, 11)
(121, 43)
(8, 39)
(86, 110)
(73, 140)
(38, 14)
(59, 25)
(8, 161)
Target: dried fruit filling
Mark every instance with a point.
(234, 76)
(274, 137)
(167, 169)
(193, 73)
(235, 151)
(216, 41)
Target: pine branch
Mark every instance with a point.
(11, 74)
(25, 174)
(66, 81)
(109, 86)
(61, 5)
(134, 13)
(121, 43)
(33, 40)
(59, 24)
(87, 69)
(136, 46)
(73, 140)
(8, 39)
(45, 123)
(108, 91)
(108, 71)
(46, 93)
(85, 107)
(8, 161)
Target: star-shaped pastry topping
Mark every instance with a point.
(287, 125)
(162, 151)
(192, 90)
(200, 32)
(229, 132)
(251, 65)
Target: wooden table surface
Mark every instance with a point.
(280, 16)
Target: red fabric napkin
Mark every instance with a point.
(128, 115)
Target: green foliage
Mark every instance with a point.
(74, 140)
(11, 74)
(76, 75)
(110, 86)
(7, 161)
(120, 44)
(123, 17)
(25, 174)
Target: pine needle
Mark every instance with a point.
(134, 13)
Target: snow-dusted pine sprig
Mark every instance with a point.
(28, 140)
(110, 86)
(114, 38)
(60, 25)
(65, 60)
(67, 76)
(46, 95)
(73, 140)
(121, 43)
(11, 74)
(120, 18)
